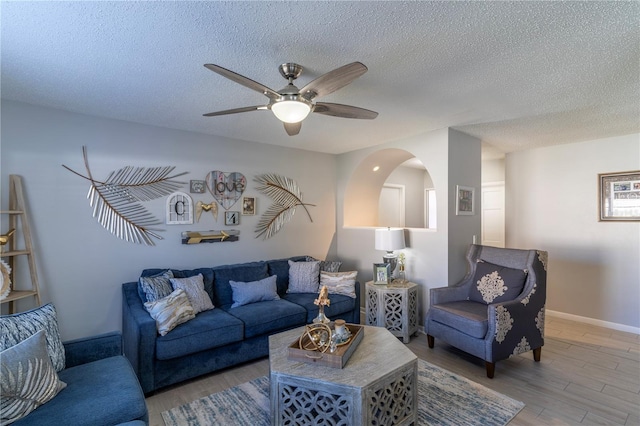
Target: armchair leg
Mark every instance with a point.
(430, 341)
(491, 368)
(536, 354)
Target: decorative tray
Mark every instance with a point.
(336, 359)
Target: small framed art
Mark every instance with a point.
(465, 205)
(381, 273)
(619, 196)
(248, 206)
(231, 218)
(197, 186)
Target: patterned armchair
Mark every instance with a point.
(497, 310)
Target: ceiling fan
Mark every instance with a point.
(292, 105)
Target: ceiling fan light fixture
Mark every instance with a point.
(291, 110)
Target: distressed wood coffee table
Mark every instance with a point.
(377, 386)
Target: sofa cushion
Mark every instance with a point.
(304, 277)
(339, 282)
(494, 283)
(154, 287)
(170, 311)
(207, 330)
(269, 317)
(28, 378)
(466, 316)
(207, 276)
(245, 272)
(339, 304)
(255, 291)
(194, 288)
(102, 392)
(15, 328)
(280, 268)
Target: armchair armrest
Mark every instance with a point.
(89, 349)
(447, 294)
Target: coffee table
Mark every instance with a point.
(377, 386)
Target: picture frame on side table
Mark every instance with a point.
(619, 196)
(465, 200)
(381, 273)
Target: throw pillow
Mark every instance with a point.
(156, 286)
(27, 378)
(494, 283)
(326, 265)
(254, 291)
(304, 277)
(170, 311)
(339, 282)
(17, 327)
(194, 287)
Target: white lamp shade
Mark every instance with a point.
(390, 239)
(290, 111)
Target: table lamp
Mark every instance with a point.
(390, 239)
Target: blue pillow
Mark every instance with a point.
(254, 291)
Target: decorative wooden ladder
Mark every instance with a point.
(18, 213)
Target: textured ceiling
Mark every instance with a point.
(516, 74)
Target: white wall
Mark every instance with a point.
(82, 266)
(413, 180)
(552, 204)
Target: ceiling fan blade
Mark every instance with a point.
(245, 81)
(333, 80)
(293, 128)
(344, 111)
(236, 110)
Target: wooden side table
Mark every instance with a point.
(393, 306)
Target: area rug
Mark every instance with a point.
(444, 398)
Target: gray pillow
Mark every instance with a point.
(27, 378)
(254, 291)
(156, 286)
(17, 327)
(326, 265)
(194, 287)
(304, 277)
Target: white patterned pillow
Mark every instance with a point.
(194, 287)
(156, 286)
(339, 282)
(304, 277)
(170, 311)
(27, 378)
(17, 327)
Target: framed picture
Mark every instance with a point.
(465, 205)
(231, 218)
(248, 206)
(197, 186)
(619, 196)
(381, 273)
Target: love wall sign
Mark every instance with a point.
(226, 188)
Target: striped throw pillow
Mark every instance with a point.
(339, 282)
(194, 287)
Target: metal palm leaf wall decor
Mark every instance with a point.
(116, 201)
(286, 197)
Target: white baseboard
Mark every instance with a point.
(593, 321)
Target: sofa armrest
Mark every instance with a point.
(89, 349)
(139, 334)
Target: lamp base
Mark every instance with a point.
(392, 259)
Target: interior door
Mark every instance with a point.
(391, 206)
(492, 216)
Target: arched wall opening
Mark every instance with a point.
(362, 192)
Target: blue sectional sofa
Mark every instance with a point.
(224, 336)
(102, 388)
